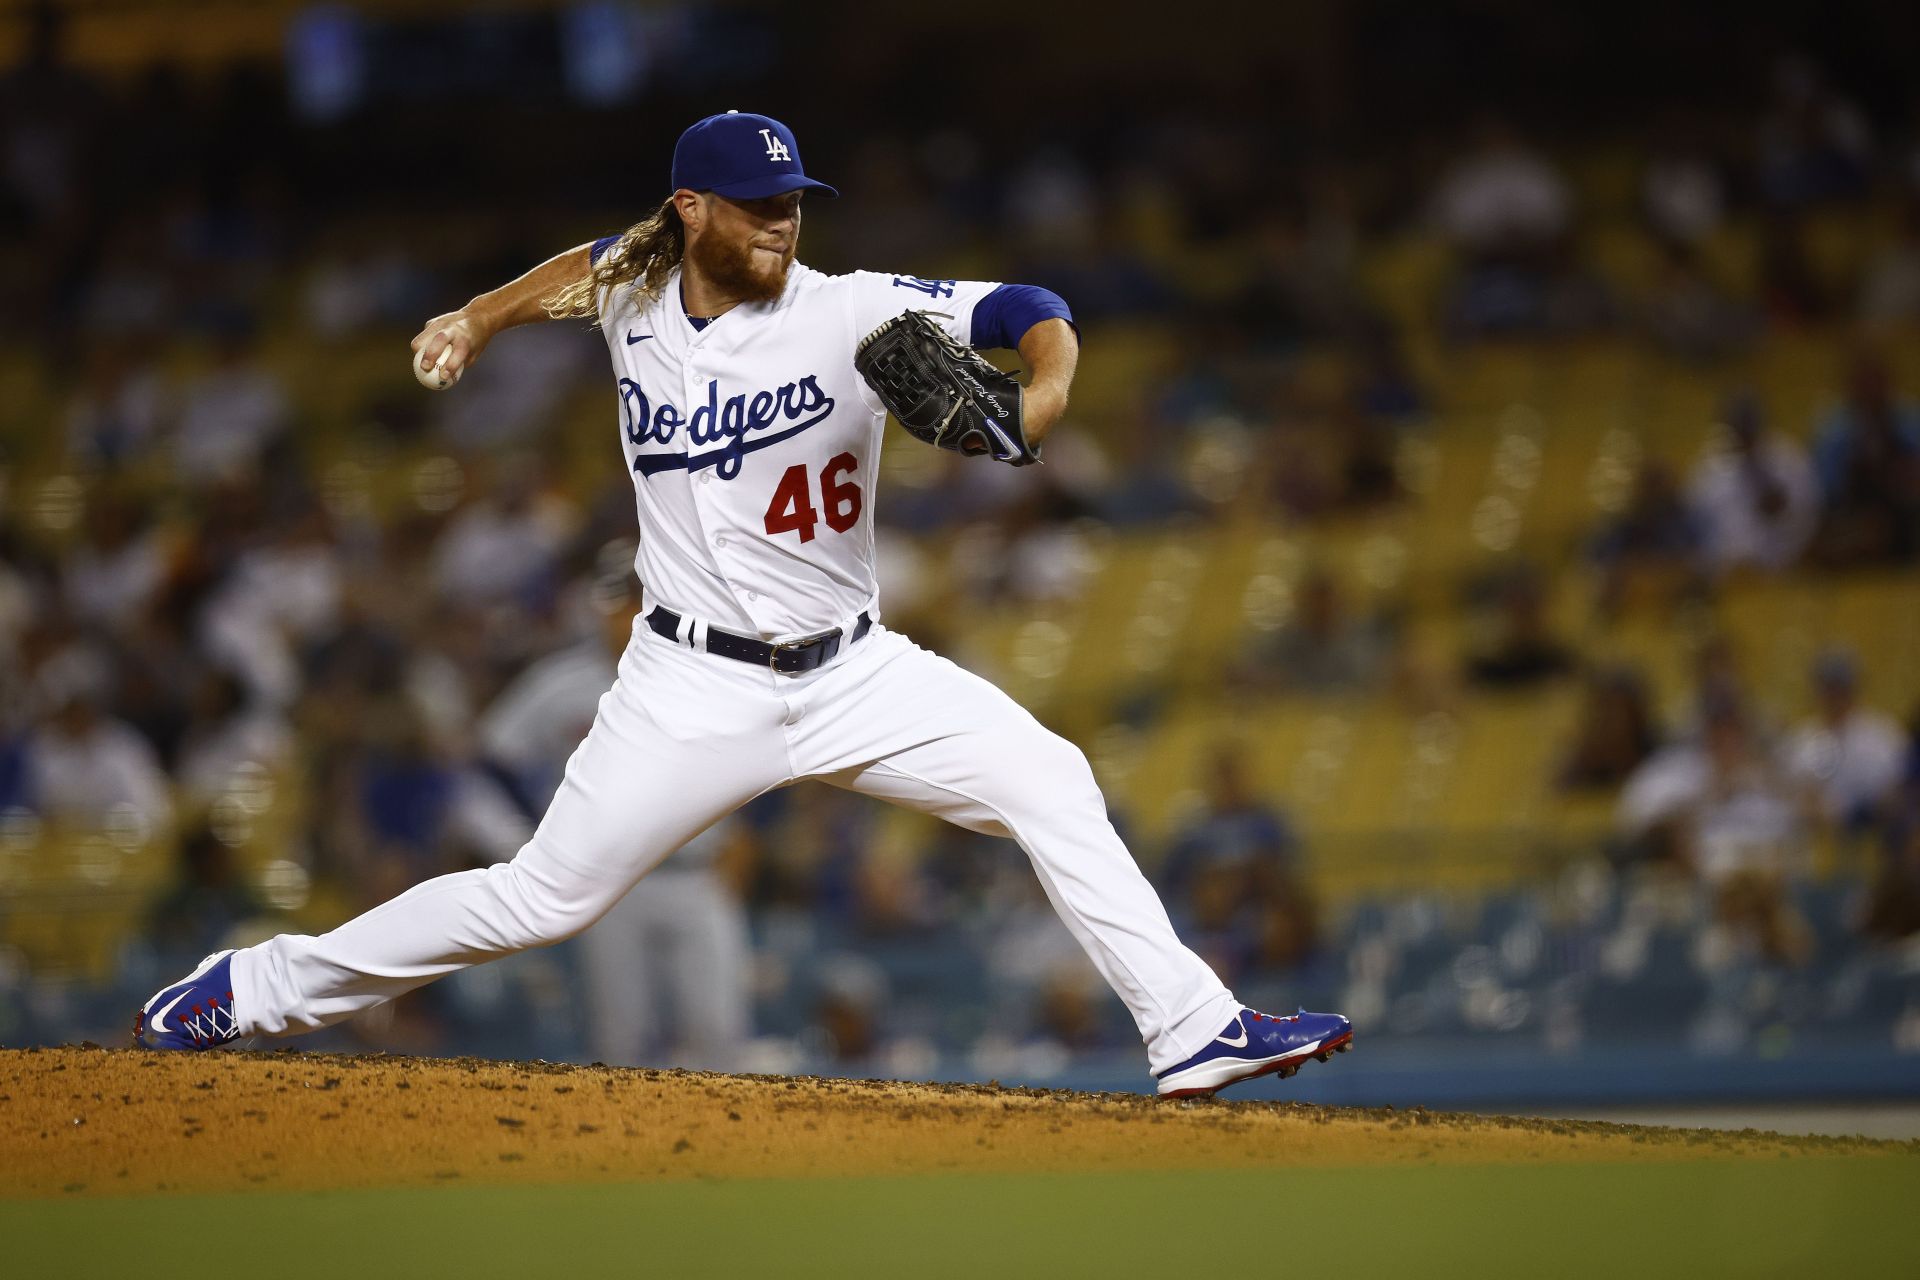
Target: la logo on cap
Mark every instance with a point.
(714, 155)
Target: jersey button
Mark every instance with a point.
(720, 541)
(706, 477)
(753, 595)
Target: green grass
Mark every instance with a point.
(1812, 1216)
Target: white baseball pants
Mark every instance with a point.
(684, 738)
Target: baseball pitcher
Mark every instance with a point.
(753, 394)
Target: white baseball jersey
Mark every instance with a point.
(753, 445)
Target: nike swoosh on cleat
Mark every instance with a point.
(642, 338)
(1241, 1043)
(159, 1022)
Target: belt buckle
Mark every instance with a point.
(804, 642)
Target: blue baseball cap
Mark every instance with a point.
(742, 155)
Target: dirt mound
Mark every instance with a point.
(100, 1121)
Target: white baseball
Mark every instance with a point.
(436, 376)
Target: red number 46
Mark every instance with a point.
(791, 509)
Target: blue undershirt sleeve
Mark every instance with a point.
(1003, 317)
(600, 246)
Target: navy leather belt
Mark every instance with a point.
(790, 658)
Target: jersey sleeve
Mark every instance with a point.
(879, 297)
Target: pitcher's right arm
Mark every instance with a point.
(520, 301)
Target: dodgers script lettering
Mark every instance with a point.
(738, 425)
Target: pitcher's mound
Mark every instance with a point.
(99, 1121)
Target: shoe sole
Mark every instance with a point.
(1282, 1067)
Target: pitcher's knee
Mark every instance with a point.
(1051, 773)
(536, 911)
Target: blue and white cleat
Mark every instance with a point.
(194, 1013)
(1257, 1044)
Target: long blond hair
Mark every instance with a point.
(643, 257)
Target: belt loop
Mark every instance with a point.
(697, 634)
(683, 634)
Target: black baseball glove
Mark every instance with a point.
(943, 392)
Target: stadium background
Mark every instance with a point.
(1442, 658)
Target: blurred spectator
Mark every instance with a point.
(1383, 386)
(898, 222)
(1295, 454)
(503, 545)
(207, 903)
(667, 968)
(129, 295)
(1297, 283)
(1047, 557)
(48, 108)
(1507, 211)
(426, 809)
(84, 767)
(1682, 193)
(1719, 681)
(1690, 316)
(227, 736)
(532, 726)
(356, 288)
(1757, 500)
(1051, 199)
(1813, 143)
(1791, 292)
(1890, 285)
(1615, 735)
(1893, 906)
(1522, 650)
(118, 564)
(1234, 870)
(157, 670)
(886, 888)
(813, 840)
(118, 409)
(456, 658)
(1867, 454)
(1848, 758)
(1720, 809)
(1365, 448)
(229, 414)
(1196, 384)
(279, 595)
(1649, 548)
(849, 1007)
(1070, 1013)
(15, 790)
(1102, 273)
(1148, 485)
(19, 603)
(1502, 199)
(1235, 825)
(1324, 647)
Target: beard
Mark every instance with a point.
(735, 269)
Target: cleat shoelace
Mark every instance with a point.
(210, 1024)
